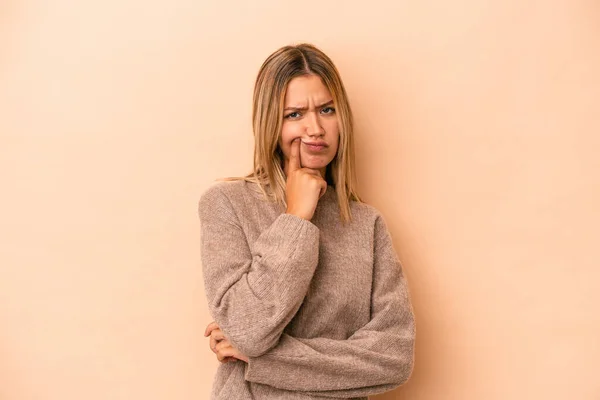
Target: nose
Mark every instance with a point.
(313, 125)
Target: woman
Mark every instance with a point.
(306, 290)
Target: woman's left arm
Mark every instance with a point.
(376, 358)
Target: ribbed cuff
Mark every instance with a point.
(295, 226)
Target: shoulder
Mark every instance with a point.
(219, 188)
(369, 218)
(230, 194)
(221, 195)
(231, 188)
(215, 194)
(365, 213)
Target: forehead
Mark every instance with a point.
(306, 88)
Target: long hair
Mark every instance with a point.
(267, 118)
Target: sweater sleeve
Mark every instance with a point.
(253, 294)
(376, 358)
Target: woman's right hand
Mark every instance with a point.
(221, 346)
(304, 186)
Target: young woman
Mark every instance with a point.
(307, 293)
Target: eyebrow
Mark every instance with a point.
(330, 102)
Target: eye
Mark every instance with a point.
(293, 115)
(328, 110)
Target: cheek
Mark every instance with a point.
(288, 134)
(333, 132)
(331, 126)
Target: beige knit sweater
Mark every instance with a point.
(322, 310)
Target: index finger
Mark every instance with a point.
(211, 327)
(295, 162)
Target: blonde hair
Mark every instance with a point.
(267, 117)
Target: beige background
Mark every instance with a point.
(478, 133)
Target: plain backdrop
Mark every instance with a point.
(477, 138)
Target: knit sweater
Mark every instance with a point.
(321, 309)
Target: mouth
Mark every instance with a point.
(315, 147)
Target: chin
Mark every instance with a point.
(315, 162)
(315, 165)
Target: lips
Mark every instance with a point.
(315, 146)
(317, 143)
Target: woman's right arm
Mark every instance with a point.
(253, 295)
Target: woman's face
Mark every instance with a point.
(309, 114)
